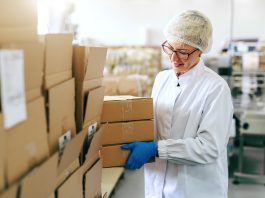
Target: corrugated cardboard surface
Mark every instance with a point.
(73, 186)
(58, 53)
(2, 153)
(33, 63)
(125, 132)
(11, 192)
(55, 79)
(26, 144)
(126, 108)
(18, 13)
(114, 156)
(41, 181)
(89, 107)
(93, 181)
(61, 113)
(88, 62)
(18, 34)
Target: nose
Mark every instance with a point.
(175, 58)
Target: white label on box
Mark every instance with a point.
(63, 140)
(92, 128)
(12, 87)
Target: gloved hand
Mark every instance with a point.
(141, 152)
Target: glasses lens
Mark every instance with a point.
(183, 56)
(167, 50)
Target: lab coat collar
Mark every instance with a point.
(189, 75)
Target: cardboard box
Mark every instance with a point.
(114, 156)
(89, 107)
(93, 181)
(18, 13)
(18, 34)
(125, 132)
(61, 112)
(11, 192)
(33, 62)
(57, 59)
(26, 143)
(41, 181)
(111, 84)
(126, 108)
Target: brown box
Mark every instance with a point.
(33, 62)
(57, 59)
(18, 22)
(2, 156)
(125, 132)
(11, 192)
(126, 108)
(89, 107)
(41, 181)
(26, 143)
(114, 156)
(61, 111)
(93, 181)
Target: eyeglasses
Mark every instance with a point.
(169, 50)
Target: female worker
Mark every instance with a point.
(193, 113)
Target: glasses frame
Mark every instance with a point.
(177, 51)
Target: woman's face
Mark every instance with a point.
(183, 58)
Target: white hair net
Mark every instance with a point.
(190, 27)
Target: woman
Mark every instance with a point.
(193, 114)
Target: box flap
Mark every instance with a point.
(58, 53)
(92, 84)
(72, 187)
(41, 181)
(93, 181)
(33, 94)
(61, 112)
(95, 61)
(94, 103)
(71, 151)
(33, 146)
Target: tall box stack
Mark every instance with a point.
(88, 65)
(127, 119)
(18, 21)
(59, 89)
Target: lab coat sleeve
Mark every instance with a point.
(212, 134)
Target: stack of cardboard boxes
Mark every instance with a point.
(127, 119)
(43, 155)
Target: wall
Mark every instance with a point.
(119, 22)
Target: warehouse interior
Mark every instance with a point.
(76, 79)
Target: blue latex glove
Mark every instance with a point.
(141, 152)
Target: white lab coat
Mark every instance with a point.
(192, 123)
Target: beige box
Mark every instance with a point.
(125, 132)
(126, 108)
(93, 181)
(2, 156)
(33, 63)
(41, 181)
(114, 156)
(18, 34)
(26, 143)
(11, 192)
(61, 112)
(57, 58)
(18, 13)
(111, 84)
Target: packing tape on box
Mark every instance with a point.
(127, 130)
(127, 110)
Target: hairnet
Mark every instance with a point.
(190, 27)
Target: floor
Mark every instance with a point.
(132, 186)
